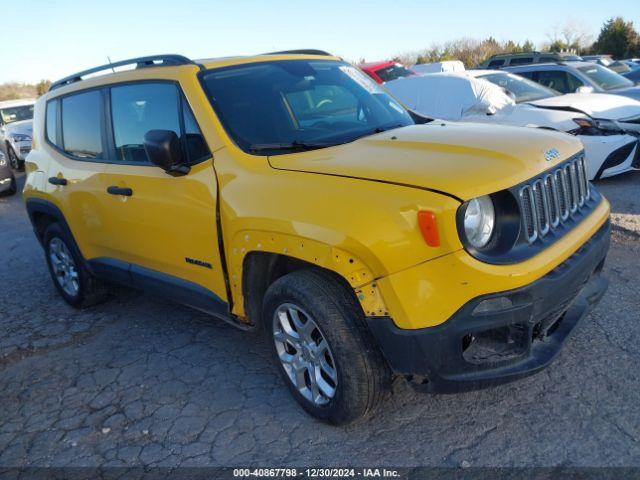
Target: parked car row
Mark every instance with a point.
(16, 130)
(583, 99)
(7, 178)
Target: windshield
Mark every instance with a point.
(523, 89)
(605, 78)
(15, 114)
(281, 106)
(393, 72)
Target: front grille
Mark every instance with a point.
(551, 200)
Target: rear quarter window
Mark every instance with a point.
(51, 123)
(496, 63)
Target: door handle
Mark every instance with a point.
(113, 190)
(57, 181)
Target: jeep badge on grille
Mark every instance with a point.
(551, 154)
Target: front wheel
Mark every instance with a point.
(322, 347)
(14, 161)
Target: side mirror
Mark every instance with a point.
(584, 89)
(164, 149)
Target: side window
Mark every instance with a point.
(548, 59)
(555, 79)
(136, 109)
(496, 63)
(81, 124)
(530, 75)
(194, 141)
(521, 60)
(51, 126)
(574, 82)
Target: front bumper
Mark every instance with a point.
(6, 180)
(607, 156)
(22, 149)
(511, 335)
(611, 155)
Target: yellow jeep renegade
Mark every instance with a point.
(288, 192)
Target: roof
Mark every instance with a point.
(520, 54)
(17, 103)
(228, 61)
(573, 63)
(158, 61)
(480, 72)
(376, 65)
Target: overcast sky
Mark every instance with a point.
(54, 38)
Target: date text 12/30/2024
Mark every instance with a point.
(315, 473)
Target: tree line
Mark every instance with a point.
(15, 90)
(617, 38)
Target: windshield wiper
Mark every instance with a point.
(380, 129)
(288, 147)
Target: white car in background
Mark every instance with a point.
(16, 125)
(435, 67)
(607, 125)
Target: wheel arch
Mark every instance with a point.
(257, 259)
(41, 214)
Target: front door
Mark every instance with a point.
(164, 226)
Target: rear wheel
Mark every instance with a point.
(74, 282)
(322, 347)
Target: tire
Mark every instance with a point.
(362, 376)
(81, 289)
(14, 161)
(13, 188)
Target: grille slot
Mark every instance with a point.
(547, 202)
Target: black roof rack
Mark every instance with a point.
(304, 51)
(140, 62)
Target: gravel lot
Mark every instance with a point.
(140, 381)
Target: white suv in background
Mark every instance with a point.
(16, 125)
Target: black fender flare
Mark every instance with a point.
(38, 206)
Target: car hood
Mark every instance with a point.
(24, 127)
(631, 92)
(463, 160)
(597, 105)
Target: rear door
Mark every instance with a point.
(75, 140)
(163, 226)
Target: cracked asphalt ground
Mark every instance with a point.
(141, 381)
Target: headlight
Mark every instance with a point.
(19, 137)
(479, 221)
(596, 127)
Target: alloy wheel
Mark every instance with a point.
(64, 267)
(13, 159)
(304, 354)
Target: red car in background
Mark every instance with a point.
(383, 72)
